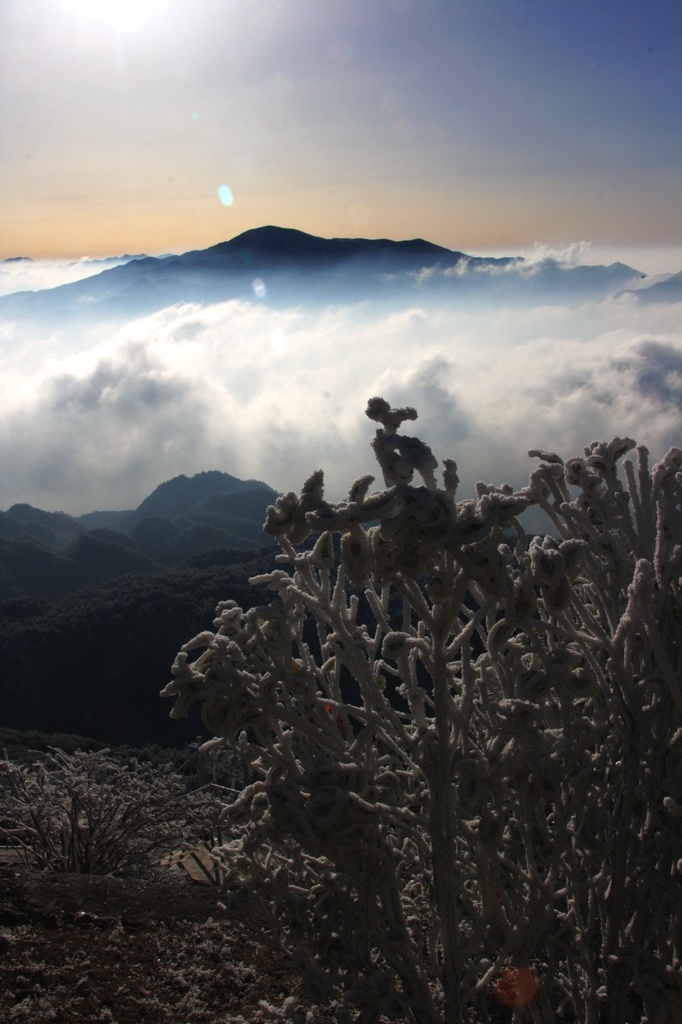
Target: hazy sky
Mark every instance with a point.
(482, 125)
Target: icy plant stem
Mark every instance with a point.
(468, 746)
(442, 825)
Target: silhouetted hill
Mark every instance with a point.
(103, 533)
(294, 266)
(11, 528)
(94, 663)
(29, 568)
(49, 554)
(268, 246)
(103, 520)
(668, 290)
(182, 493)
(103, 558)
(35, 522)
(245, 504)
(91, 619)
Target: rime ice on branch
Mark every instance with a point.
(469, 742)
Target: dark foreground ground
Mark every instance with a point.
(78, 948)
(83, 949)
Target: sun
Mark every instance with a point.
(123, 16)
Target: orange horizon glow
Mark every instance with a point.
(123, 120)
(86, 237)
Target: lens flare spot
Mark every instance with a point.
(259, 289)
(278, 340)
(517, 987)
(225, 195)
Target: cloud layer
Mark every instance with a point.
(23, 274)
(96, 419)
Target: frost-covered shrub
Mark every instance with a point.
(91, 812)
(468, 744)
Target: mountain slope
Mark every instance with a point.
(668, 290)
(181, 494)
(283, 265)
(268, 245)
(45, 555)
(52, 528)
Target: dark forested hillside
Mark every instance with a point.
(94, 609)
(182, 493)
(94, 662)
(52, 528)
(50, 554)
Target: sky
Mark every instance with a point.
(487, 126)
(544, 128)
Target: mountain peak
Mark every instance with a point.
(288, 265)
(271, 243)
(182, 493)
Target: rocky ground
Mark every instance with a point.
(78, 948)
(86, 949)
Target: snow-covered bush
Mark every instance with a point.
(468, 742)
(91, 812)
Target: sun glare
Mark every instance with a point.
(125, 16)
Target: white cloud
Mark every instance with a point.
(573, 254)
(97, 419)
(26, 275)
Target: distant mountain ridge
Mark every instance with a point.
(668, 290)
(47, 554)
(169, 499)
(54, 529)
(181, 494)
(280, 265)
(269, 244)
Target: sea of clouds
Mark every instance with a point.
(96, 417)
(21, 274)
